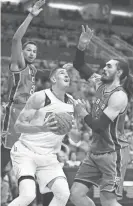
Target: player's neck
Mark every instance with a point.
(60, 94)
(111, 86)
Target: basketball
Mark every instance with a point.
(64, 123)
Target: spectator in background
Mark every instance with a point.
(72, 162)
(42, 80)
(4, 87)
(62, 157)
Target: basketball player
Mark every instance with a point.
(21, 82)
(106, 163)
(34, 154)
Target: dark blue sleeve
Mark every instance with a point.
(79, 64)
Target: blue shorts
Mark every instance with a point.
(105, 170)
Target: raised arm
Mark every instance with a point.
(17, 58)
(79, 61)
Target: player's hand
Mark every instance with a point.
(80, 108)
(50, 124)
(95, 77)
(36, 9)
(86, 105)
(85, 37)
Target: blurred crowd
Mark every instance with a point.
(72, 152)
(65, 32)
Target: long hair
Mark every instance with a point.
(126, 77)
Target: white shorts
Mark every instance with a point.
(27, 163)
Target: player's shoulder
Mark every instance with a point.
(39, 95)
(119, 98)
(120, 95)
(37, 99)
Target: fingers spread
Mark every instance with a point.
(40, 10)
(51, 118)
(51, 124)
(40, 3)
(88, 30)
(92, 33)
(83, 28)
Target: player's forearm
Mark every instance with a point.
(79, 60)
(80, 66)
(23, 28)
(28, 128)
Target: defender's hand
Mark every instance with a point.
(36, 9)
(85, 37)
(80, 109)
(86, 105)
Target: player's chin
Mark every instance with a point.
(66, 84)
(30, 61)
(104, 79)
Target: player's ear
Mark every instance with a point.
(53, 80)
(120, 72)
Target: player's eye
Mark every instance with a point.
(109, 66)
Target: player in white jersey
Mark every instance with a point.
(34, 155)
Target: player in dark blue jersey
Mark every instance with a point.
(21, 81)
(106, 163)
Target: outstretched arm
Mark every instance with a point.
(17, 58)
(79, 61)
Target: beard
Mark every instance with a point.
(106, 80)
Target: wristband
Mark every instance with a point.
(31, 14)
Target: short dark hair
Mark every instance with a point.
(53, 71)
(29, 42)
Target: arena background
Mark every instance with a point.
(56, 31)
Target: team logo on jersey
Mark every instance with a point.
(97, 101)
(117, 180)
(32, 89)
(103, 106)
(33, 79)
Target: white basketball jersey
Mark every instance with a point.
(47, 142)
